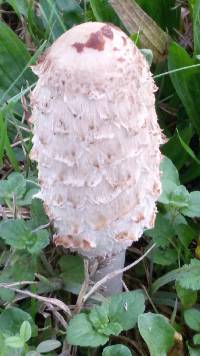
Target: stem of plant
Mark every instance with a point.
(115, 285)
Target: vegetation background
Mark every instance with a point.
(159, 312)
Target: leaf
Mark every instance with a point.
(14, 57)
(185, 234)
(124, 308)
(193, 208)
(48, 345)
(196, 339)
(81, 332)
(196, 26)
(148, 55)
(186, 82)
(157, 333)
(25, 331)
(14, 185)
(72, 268)
(169, 179)
(187, 297)
(192, 318)
(11, 320)
(17, 234)
(116, 350)
(162, 231)
(15, 342)
(103, 12)
(187, 276)
(137, 21)
(188, 149)
(193, 352)
(164, 257)
(37, 213)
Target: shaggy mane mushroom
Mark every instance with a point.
(96, 141)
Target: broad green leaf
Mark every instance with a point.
(48, 345)
(169, 179)
(72, 268)
(164, 257)
(124, 308)
(81, 332)
(14, 57)
(28, 197)
(157, 333)
(11, 320)
(187, 297)
(185, 234)
(193, 352)
(25, 331)
(164, 12)
(186, 82)
(103, 11)
(116, 350)
(15, 184)
(192, 319)
(37, 213)
(15, 342)
(196, 339)
(193, 208)
(17, 234)
(162, 231)
(196, 26)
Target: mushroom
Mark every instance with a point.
(96, 141)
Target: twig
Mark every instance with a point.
(21, 283)
(83, 290)
(58, 303)
(116, 273)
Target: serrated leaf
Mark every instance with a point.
(185, 234)
(116, 350)
(189, 276)
(81, 332)
(193, 208)
(25, 331)
(48, 345)
(192, 319)
(157, 333)
(187, 297)
(17, 234)
(14, 185)
(162, 231)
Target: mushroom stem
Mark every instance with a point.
(114, 263)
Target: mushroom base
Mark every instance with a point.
(113, 285)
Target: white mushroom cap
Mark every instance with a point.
(96, 139)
